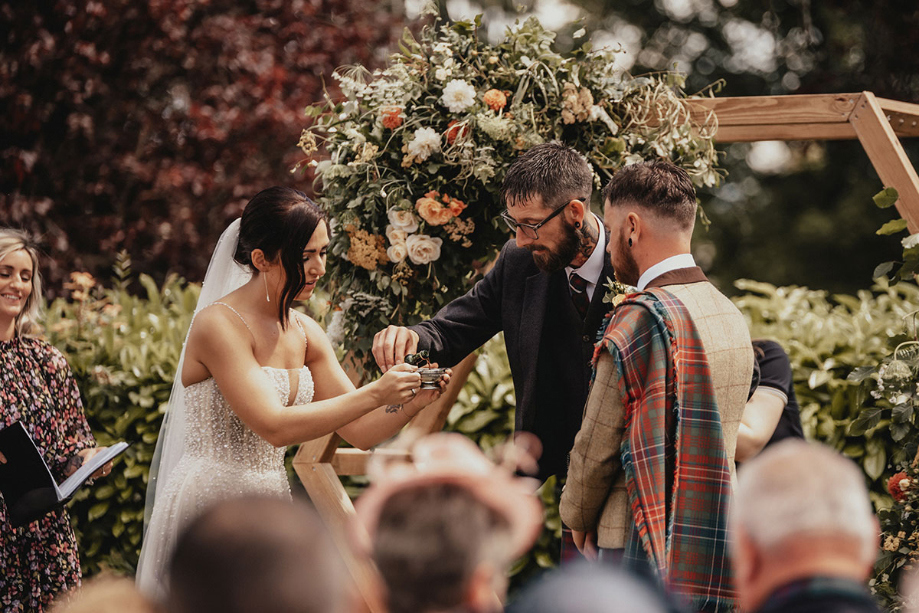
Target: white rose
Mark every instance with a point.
(425, 142)
(397, 252)
(402, 220)
(458, 96)
(423, 248)
(911, 241)
(904, 484)
(396, 235)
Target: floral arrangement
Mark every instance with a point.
(894, 392)
(899, 540)
(409, 163)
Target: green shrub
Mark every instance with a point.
(123, 351)
(835, 344)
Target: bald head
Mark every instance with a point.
(797, 490)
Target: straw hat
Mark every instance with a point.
(452, 458)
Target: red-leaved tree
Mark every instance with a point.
(147, 125)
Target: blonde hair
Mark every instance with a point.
(15, 240)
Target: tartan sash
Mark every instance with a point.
(676, 468)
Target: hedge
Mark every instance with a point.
(123, 350)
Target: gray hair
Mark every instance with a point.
(797, 488)
(15, 240)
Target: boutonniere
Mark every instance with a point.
(616, 291)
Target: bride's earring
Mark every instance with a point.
(267, 295)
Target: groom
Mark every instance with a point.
(651, 468)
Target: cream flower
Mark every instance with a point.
(423, 249)
(396, 235)
(402, 220)
(911, 241)
(398, 251)
(425, 142)
(458, 96)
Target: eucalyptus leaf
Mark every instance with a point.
(892, 227)
(886, 198)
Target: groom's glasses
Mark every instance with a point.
(530, 230)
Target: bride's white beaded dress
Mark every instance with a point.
(223, 459)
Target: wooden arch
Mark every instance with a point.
(876, 122)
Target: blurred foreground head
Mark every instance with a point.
(801, 511)
(251, 555)
(445, 526)
(105, 594)
(589, 588)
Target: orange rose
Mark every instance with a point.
(456, 206)
(392, 117)
(432, 211)
(495, 99)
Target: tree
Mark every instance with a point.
(808, 220)
(147, 126)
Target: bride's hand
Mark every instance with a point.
(424, 397)
(398, 385)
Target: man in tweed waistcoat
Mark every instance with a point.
(652, 466)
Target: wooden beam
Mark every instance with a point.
(783, 110)
(815, 131)
(335, 508)
(903, 116)
(887, 155)
(354, 461)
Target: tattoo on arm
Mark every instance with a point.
(393, 408)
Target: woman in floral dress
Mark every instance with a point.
(37, 561)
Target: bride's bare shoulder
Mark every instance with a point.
(217, 323)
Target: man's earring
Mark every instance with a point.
(268, 296)
(630, 241)
(577, 224)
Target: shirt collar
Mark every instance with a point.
(684, 260)
(591, 270)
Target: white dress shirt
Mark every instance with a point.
(684, 260)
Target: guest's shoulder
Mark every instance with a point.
(43, 352)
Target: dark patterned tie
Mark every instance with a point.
(579, 293)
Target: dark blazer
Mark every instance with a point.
(548, 346)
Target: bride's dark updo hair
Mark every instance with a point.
(279, 221)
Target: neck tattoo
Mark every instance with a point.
(588, 237)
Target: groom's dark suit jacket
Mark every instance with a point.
(548, 345)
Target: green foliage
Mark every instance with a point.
(835, 345)
(417, 154)
(123, 351)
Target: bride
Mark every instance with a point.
(256, 376)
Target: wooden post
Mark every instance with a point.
(320, 462)
(887, 155)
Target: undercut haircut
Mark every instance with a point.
(656, 186)
(553, 171)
